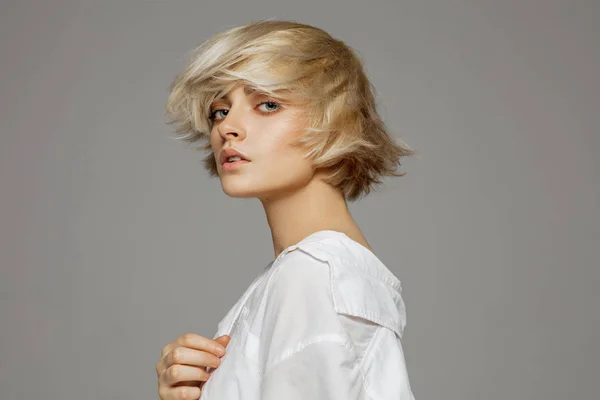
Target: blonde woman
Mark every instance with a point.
(288, 116)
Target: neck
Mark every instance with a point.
(315, 207)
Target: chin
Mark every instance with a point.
(240, 194)
(238, 190)
(245, 186)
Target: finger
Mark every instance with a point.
(223, 340)
(189, 383)
(181, 373)
(187, 356)
(198, 342)
(194, 341)
(183, 392)
(175, 353)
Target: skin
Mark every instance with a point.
(296, 200)
(181, 369)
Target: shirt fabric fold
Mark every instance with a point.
(324, 320)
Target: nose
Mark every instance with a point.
(231, 127)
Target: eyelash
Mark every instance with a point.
(211, 116)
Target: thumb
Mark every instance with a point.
(223, 340)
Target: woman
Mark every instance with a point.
(289, 118)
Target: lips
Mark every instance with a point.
(231, 152)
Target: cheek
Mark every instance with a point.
(288, 163)
(292, 159)
(283, 134)
(215, 140)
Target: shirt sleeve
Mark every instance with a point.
(305, 351)
(322, 370)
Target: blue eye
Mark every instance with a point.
(272, 106)
(213, 114)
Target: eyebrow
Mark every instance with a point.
(248, 90)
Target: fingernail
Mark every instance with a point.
(220, 350)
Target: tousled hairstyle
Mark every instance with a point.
(304, 65)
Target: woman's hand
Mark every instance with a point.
(182, 368)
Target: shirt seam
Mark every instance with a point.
(369, 315)
(383, 278)
(337, 338)
(389, 323)
(367, 358)
(303, 344)
(392, 281)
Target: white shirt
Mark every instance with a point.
(323, 321)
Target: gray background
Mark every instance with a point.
(114, 242)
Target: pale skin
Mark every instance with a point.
(296, 199)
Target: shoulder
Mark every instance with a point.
(299, 267)
(358, 283)
(300, 285)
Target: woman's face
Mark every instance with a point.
(261, 130)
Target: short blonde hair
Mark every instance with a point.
(304, 65)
